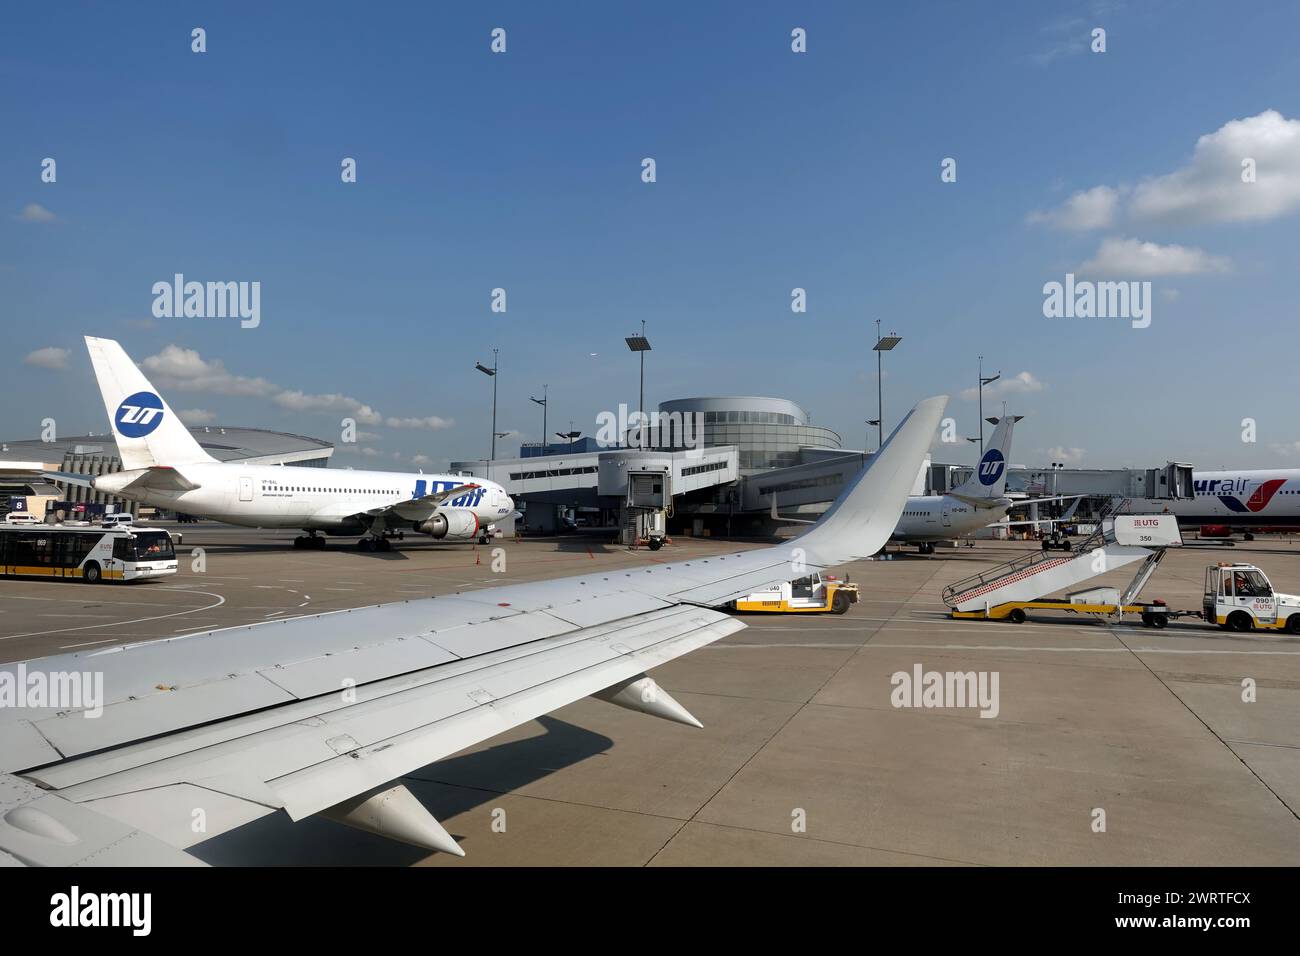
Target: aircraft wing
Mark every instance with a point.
(410, 509)
(422, 508)
(323, 713)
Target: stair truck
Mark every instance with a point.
(1007, 592)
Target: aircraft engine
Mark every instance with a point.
(455, 523)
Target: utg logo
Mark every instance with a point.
(991, 466)
(139, 414)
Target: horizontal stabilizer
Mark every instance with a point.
(160, 478)
(68, 478)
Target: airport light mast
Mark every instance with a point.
(543, 401)
(639, 343)
(984, 381)
(886, 344)
(492, 372)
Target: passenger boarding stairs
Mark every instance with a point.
(1036, 575)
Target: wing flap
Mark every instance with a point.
(337, 672)
(40, 829)
(128, 720)
(518, 699)
(24, 746)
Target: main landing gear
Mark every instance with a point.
(925, 547)
(310, 540)
(374, 544)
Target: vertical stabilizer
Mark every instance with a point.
(989, 480)
(148, 432)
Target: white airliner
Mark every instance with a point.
(166, 468)
(974, 504)
(250, 721)
(1238, 500)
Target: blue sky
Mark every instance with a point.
(775, 170)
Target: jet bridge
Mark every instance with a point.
(1005, 592)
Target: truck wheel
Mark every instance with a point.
(1293, 624)
(841, 603)
(1159, 620)
(92, 574)
(1146, 620)
(1017, 615)
(656, 544)
(1240, 621)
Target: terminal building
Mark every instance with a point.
(21, 463)
(710, 453)
(726, 463)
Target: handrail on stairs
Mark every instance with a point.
(1096, 540)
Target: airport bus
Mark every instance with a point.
(89, 554)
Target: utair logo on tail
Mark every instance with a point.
(991, 466)
(139, 414)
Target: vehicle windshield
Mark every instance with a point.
(153, 546)
(1251, 584)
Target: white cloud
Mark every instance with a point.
(197, 416)
(35, 212)
(1087, 209)
(1067, 456)
(186, 370)
(1210, 187)
(1062, 38)
(364, 450)
(49, 357)
(429, 421)
(1285, 448)
(1134, 259)
(299, 401)
(421, 460)
(1019, 384)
